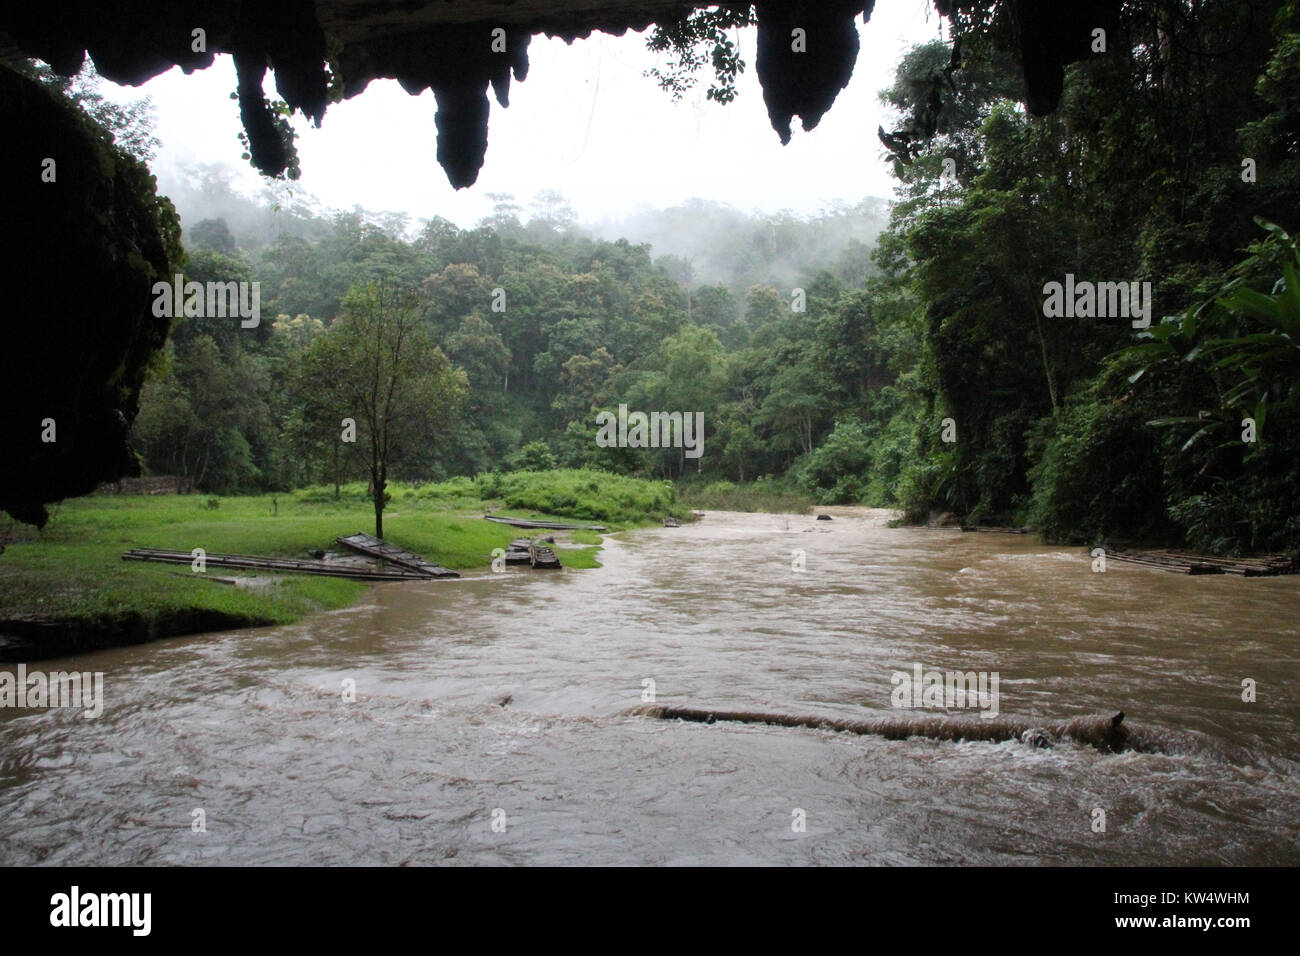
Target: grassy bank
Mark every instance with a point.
(68, 585)
(761, 495)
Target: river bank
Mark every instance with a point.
(66, 590)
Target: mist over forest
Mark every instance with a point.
(715, 242)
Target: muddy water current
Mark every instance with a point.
(489, 723)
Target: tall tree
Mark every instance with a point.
(378, 367)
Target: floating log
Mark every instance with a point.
(248, 562)
(548, 525)
(377, 548)
(1103, 732)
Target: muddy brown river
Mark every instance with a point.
(254, 729)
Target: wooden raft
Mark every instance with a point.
(524, 551)
(1182, 562)
(376, 548)
(248, 562)
(518, 552)
(546, 525)
(542, 557)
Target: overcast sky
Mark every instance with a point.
(586, 122)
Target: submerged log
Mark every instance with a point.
(1100, 731)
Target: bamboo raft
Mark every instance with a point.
(970, 528)
(542, 557)
(525, 551)
(376, 548)
(545, 525)
(518, 552)
(248, 562)
(1182, 562)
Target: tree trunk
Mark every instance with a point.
(379, 484)
(1047, 366)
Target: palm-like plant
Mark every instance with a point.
(1263, 360)
(1246, 340)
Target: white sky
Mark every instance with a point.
(586, 122)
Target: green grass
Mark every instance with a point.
(761, 495)
(72, 570)
(612, 500)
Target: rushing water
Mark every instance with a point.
(252, 726)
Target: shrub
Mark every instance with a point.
(535, 456)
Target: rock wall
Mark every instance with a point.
(84, 240)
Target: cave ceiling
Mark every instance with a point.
(323, 50)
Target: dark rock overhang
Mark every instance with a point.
(450, 46)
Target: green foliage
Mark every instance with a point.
(213, 234)
(535, 456)
(1146, 445)
(1230, 362)
(584, 494)
(762, 494)
(131, 125)
(697, 40)
(836, 472)
(1099, 474)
